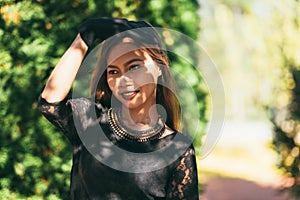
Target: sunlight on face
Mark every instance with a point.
(132, 75)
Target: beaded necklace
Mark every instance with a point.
(119, 129)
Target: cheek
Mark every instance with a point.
(145, 79)
(111, 82)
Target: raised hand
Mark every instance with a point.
(102, 28)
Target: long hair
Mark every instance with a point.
(147, 41)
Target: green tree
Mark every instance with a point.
(285, 115)
(35, 159)
(286, 140)
(256, 46)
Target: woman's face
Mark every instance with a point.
(132, 76)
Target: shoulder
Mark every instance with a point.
(80, 103)
(176, 136)
(177, 143)
(84, 105)
(87, 112)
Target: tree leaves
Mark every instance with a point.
(35, 158)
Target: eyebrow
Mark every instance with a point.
(133, 60)
(126, 63)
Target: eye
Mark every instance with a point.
(112, 71)
(134, 67)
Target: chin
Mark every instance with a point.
(130, 106)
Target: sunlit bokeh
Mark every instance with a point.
(252, 44)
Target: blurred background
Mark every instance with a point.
(255, 46)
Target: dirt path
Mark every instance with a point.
(242, 165)
(239, 189)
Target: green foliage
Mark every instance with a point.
(35, 158)
(255, 45)
(286, 140)
(285, 115)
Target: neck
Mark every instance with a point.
(140, 118)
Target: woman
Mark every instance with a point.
(125, 138)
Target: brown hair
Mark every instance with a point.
(165, 93)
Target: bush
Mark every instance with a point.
(35, 159)
(286, 140)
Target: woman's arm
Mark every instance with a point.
(64, 73)
(184, 181)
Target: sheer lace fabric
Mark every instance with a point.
(184, 177)
(91, 179)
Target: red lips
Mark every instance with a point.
(129, 95)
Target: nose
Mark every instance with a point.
(126, 80)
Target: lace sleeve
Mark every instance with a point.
(184, 182)
(60, 115)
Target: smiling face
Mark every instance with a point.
(134, 83)
(132, 77)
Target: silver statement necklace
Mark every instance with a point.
(118, 128)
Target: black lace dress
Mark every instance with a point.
(106, 166)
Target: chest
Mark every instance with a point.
(100, 178)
